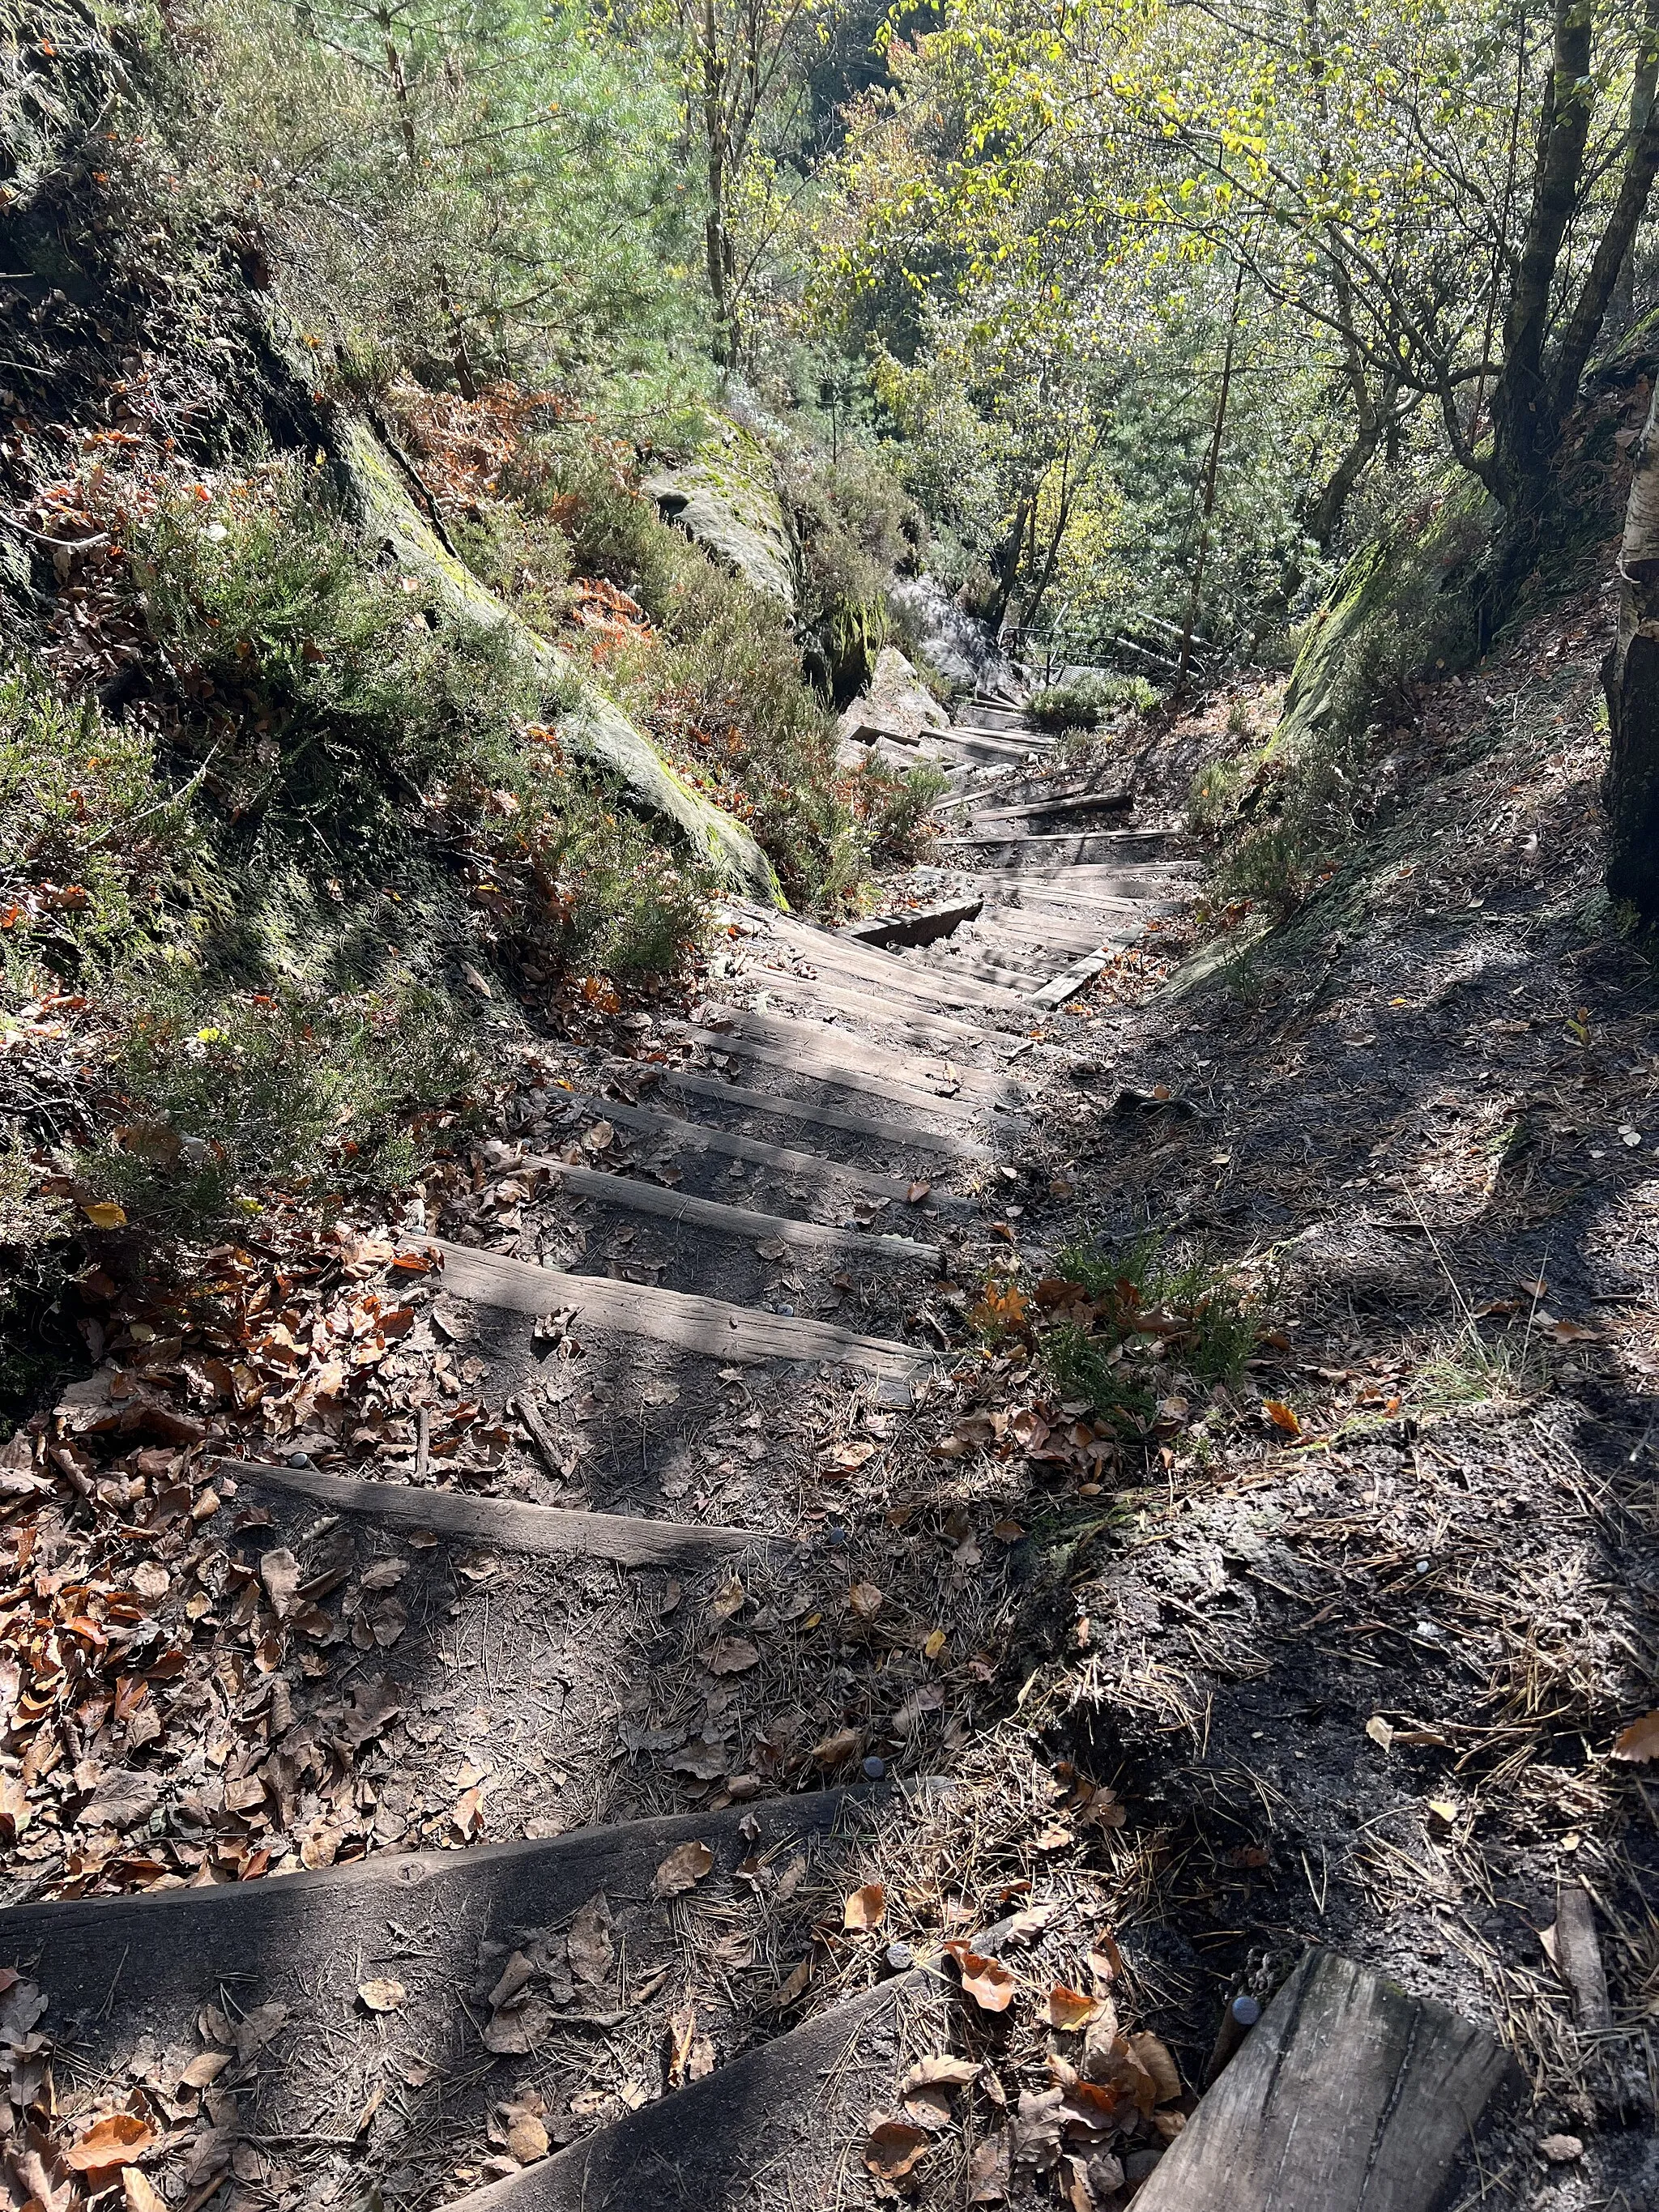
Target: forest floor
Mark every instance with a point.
(1336, 1653)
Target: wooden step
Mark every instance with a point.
(832, 1053)
(540, 1530)
(1070, 981)
(992, 746)
(271, 1970)
(742, 1222)
(711, 1327)
(1087, 883)
(956, 1142)
(921, 925)
(1066, 847)
(1023, 979)
(867, 962)
(701, 1137)
(791, 1061)
(854, 1000)
(784, 2124)
(1082, 802)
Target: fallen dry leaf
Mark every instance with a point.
(1037, 2129)
(1640, 1741)
(1151, 2052)
(527, 2138)
(140, 2193)
(691, 2056)
(833, 1751)
(987, 1981)
(1281, 1416)
(917, 1192)
(682, 1869)
(848, 1458)
(864, 1600)
(101, 2153)
(1070, 2010)
(864, 1909)
(382, 1995)
(894, 2148)
(1106, 1960)
(791, 1989)
(732, 1655)
(988, 2171)
(589, 1946)
(942, 2070)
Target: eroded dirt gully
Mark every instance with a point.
(598, 1632)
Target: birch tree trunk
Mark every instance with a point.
(1631, 677)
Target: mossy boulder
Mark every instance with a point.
(593, 727)
(1405, 607)
(724, 498)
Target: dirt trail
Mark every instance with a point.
(476, 1696)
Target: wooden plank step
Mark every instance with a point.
(869, 963)
(843, 995)
(1024, 978)
(701, 1137)
(1099, 883)
(1347, 2096)
(1044, 929)
(952, 1143)
(835, 1055)
(1070, 981)
(1067, 847)
(1036, 785)
(739, 1221)
(693, 1323)
(921, 925)
(980, 741)
(784, 2125)
(178, 1944)
(1082, 802)
(288, 1956)
(540, 1530)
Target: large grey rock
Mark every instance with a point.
(597, 730)
(898, 710)
(735, 515)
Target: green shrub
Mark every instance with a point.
(1083, 702)
(720, 685)
(1126, 1320)
(854, 526)
(893, 805)
(1400, 611)
(326, 694)
(214, 1100)
(99, 862)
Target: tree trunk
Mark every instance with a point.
(1327, 508)
(1631, 677)
(721, 257)
(1524, 435)
(1618, 240)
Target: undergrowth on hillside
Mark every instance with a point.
(1124, 1328)
(710, 665)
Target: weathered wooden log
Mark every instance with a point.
(1348, 2096)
